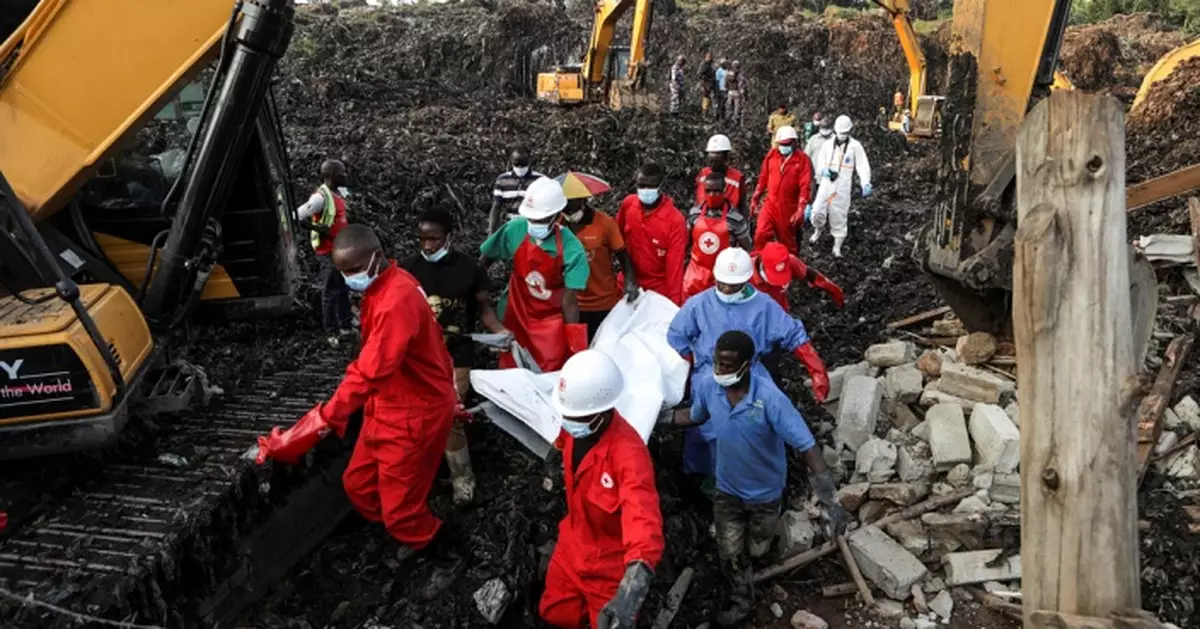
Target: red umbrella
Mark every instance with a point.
(578, 185)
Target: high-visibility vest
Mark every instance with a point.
(328, 213)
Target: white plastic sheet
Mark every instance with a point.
(635, 336)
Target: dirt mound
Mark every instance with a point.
(1163, 134)
(1113, 55)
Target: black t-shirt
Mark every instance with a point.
(450, 286)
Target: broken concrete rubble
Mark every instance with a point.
(1166, 441)
(804, 619)
(914, 461)
(1014, 413)
(1184, 465)
(932, 395)
(1188, 412)
(970, 505)
(959, 475)
(921, 431)
(839, 376)
(930, 364)
(903, 417)
(797, 535)
(903, 383)
(911, 535)
(1171, 420)
(973, 384)
(950, 531)
(853, 496)
(969, 568)
(975, 348)
(1006, 488)
(903, 494)
(492, 600)
(997, 440)
(891, 353)
(888, 609)
(949, 327)
(948, 438)
(942, 604)
(885, 563)
(876, 459)
(858, 412)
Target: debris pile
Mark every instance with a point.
(1115, 54)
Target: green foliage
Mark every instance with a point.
(1183, 14)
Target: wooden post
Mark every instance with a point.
(1072, 322)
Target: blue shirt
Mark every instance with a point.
(721, 78)
(704, 318)
(750, 453)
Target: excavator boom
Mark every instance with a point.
(608, 72)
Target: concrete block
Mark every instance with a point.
(903, 494)
(973, 384)
(981, 478)
(804, 619)
(891, 353)
(997, 440)
(942, 604)
(943, 489)
(1166, 441)
(838, 377)
(858, 412)
(887, 609)
(933, 395)
(1006, 489)
(876, 459)
(948, 438)
(853, 496)
(911, 535)
(492, 600)
(873, 510)
(1014, 414)
(903, 417)
(930, 364)
(969, 568)
(885, 562)
(1171, 421)
(949, 327)
(949, 532)
(798, 533)
(914, 462)
(1188, 412)
(1184, 465)
(903, 383)
(959, 475)
(970, 505)
(921, 431)
(975, 348)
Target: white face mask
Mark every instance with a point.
(437, 255)
(730, 379)
(739, 297)
(580, 430)
(541, 231)
(520, 171)
(575, 217)
(826, 132)
(361, 281)
(785, 149)
(842, 137)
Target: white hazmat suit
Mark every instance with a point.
(842, 158)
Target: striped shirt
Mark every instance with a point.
(509, 189)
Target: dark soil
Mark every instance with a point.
(1115, 54)
(1163, 134)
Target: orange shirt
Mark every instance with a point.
(600, 239)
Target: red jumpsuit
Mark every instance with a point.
(534, 311)
(404, 382)
(733, 186)
(787, 182)
(656, 244)
(613, 519)
(710, 236)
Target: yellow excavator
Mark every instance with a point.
(609, 74)
(1002, 59)
(143, 180)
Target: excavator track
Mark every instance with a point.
(185, 531)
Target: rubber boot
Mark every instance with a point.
(741, 599)
(837, 247)
(462, 477)
(816, 236)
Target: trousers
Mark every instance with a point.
(744, 529)
(335, 298)
(574, 594)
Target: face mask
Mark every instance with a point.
(729, 379)
(520, 171)
(361, 281)
(579, 430)
(541, 231)
(648, 196)
(742, 295)
(826, 132)
(785, 149)
(715, 199)
(575, 217)
(437, 255)
(842, 137)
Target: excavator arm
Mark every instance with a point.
(899, 10)
(608, 71)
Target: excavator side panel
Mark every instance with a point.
(125, 56)
(1164, 67)
(1006, 37)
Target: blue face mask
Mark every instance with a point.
(739, 297)
(437, 255)
(578, 430)
(785, 149)
(541, 231)
(361, 281)
(648, 196)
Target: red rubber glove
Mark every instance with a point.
(287, 446)
(816, 369)
(577, 339)
(834, 290)
(461, 414)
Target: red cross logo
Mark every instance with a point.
(709, 243)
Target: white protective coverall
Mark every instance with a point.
(833, 197)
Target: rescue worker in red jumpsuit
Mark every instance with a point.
(655, 235)
(718, 150)
(713, 226)
(786, 180)
(402, 380)
(775, 268)
(549, 265)
(612, 537)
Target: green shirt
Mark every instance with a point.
(503, 245)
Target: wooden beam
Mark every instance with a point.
(1194, 215)
(840, 589)
(918, 318)
(1169, 185)
(1150, 411)
(1071, 322)
(864, 590)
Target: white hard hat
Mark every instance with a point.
(719, 143)
(842, 124)
(589, 383)
(785, 133)
(733, 265)
(543, 198)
